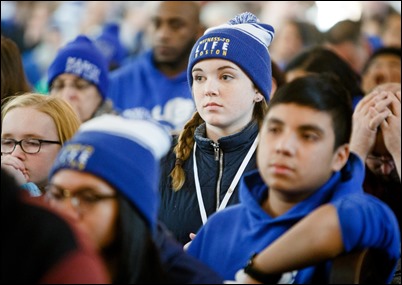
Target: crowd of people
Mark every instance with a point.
(205, 158)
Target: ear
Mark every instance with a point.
(340, 158)
(258, 96)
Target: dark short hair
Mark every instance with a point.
(382, 51)
(322, 92)
(319, 59)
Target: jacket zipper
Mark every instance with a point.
(218, 157)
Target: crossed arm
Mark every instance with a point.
(325, 242)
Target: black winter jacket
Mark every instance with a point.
(217, 166)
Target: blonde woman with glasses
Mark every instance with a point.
(33, 129)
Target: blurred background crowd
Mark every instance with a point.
(40, 28)
(137, 59)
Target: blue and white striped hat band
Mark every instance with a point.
(244, 40)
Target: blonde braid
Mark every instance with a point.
(183, 150)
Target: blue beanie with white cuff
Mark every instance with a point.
(125, 152)
(82, 58)
(244, 40)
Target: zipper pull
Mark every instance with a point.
(216, 150)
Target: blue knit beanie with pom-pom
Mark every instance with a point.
(244, 40)
(124, 151)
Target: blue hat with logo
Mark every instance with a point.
(244, 40)
(82, 58)
(125, 152)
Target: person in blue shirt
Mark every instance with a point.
(375, 139)
(304, 167)
(157, 80)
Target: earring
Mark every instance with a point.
(258, 99)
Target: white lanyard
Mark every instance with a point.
(232, 185)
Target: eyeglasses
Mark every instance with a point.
(30, 146)
(82, 200)
(59, 85)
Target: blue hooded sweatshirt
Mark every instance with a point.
(232, 235)
(139, 84)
